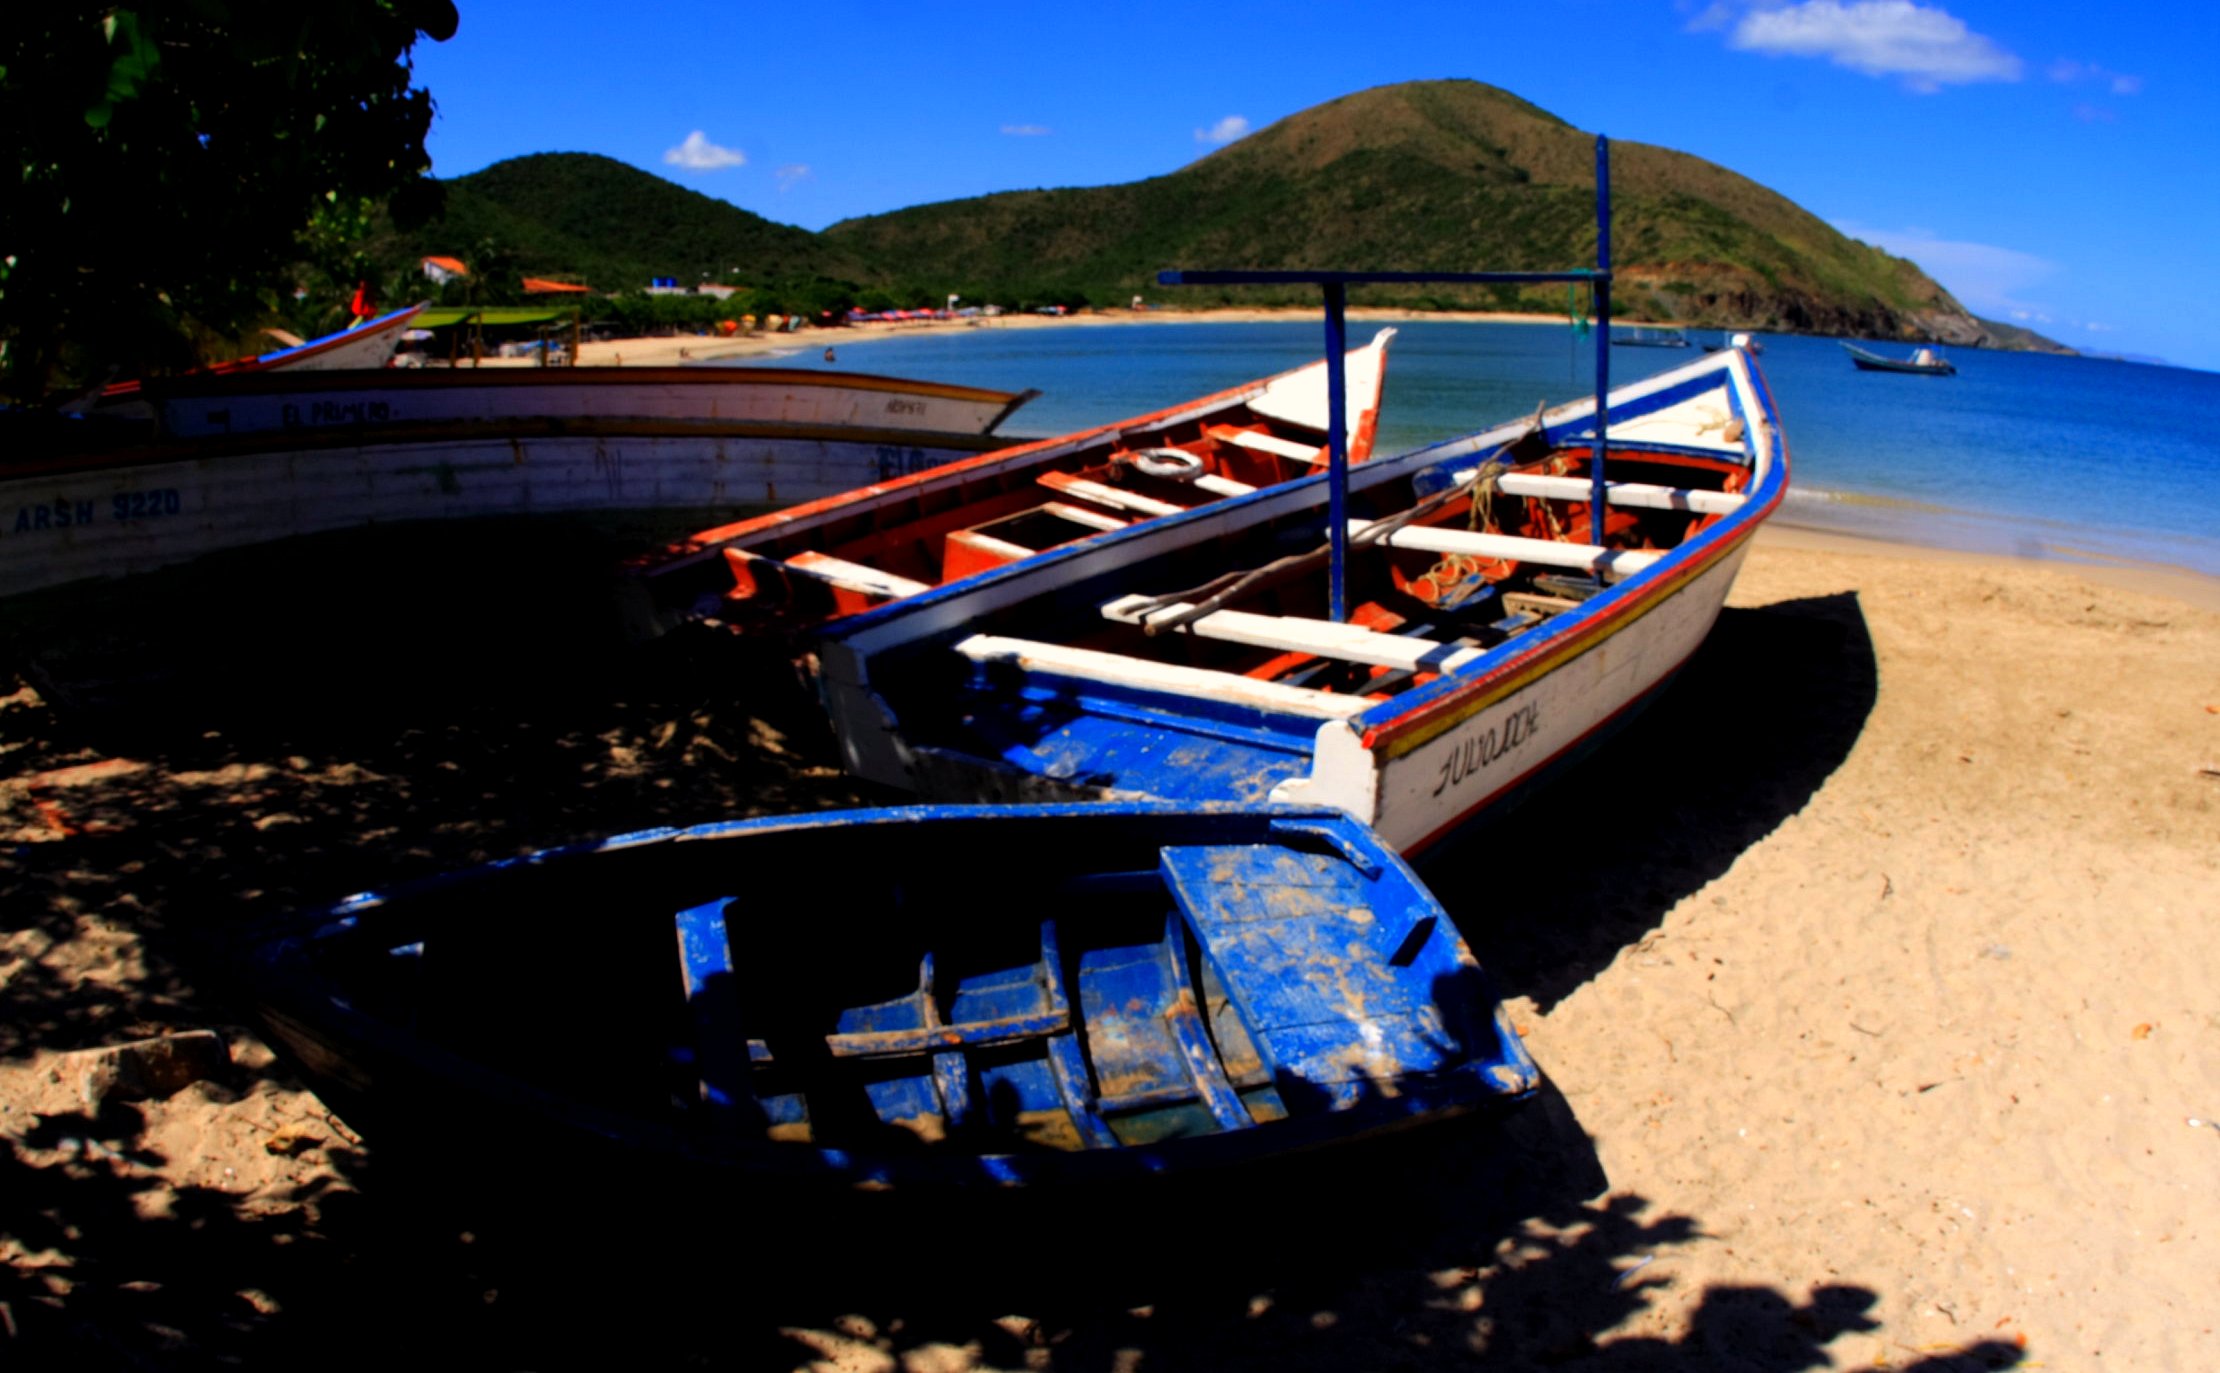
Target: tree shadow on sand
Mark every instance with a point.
(381, 723)
(1471, 1245)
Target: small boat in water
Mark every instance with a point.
(1123, 991)
(1494, 628)
(174, 468)
(799, 568)
(1925, 362)
(1649, 338)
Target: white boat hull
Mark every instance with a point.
(145, 514)
(306, 402)
(1509, 733)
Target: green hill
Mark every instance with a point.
(584, 217)
(1430, 175)
(1434, 175)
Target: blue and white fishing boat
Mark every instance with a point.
(1493, 629)
(1411, 641)
(1123, 991)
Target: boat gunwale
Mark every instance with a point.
(187, 385)
(539, 429)
(707, 542)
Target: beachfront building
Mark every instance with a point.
(444, 269)
(541, 286)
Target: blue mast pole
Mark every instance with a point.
(1337, 449)
(1603, 338)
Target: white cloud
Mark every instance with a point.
(1026, 130)
(2095, 328)
(1712, 14)
(1987, 278)
(699, 154)
(791, 173)
(2094, 114)
(1226, 130)
(1929, 48)
(2068, 72)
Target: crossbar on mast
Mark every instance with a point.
(1335, 287)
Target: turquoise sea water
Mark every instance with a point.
(2020, 452)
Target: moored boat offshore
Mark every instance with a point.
(1924, 362)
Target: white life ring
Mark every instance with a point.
(1171, 464)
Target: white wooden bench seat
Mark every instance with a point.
(832, 571)
(1639, 495)
(1267, 443)
(1221, 486)
(1093, 519)
(1116, 669)
(1320, 638)
(1104, 494)
(1590, 558)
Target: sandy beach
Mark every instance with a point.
(663, 352)
(1871, 971)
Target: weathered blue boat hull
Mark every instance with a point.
(993, 997)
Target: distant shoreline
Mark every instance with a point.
(663, 351)
(656, 352)
(1843, 521)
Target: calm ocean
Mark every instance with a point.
(2019, 453)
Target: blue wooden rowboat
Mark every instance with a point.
(1093, 993)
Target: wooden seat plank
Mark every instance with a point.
(1093, 519)
(1117, 669)
(1616, 562)
(1102, 493)
(1641, 495)
(1320, 638)
(833, 571)
(1267, 443)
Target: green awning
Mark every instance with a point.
(440, 318)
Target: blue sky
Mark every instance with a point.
(2055, 164)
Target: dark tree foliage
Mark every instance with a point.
(177, 159)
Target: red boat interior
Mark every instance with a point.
(906, 537)
(1436, 590)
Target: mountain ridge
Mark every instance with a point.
(1433, 175)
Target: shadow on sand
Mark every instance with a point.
(371, 725)
(1769, 707)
